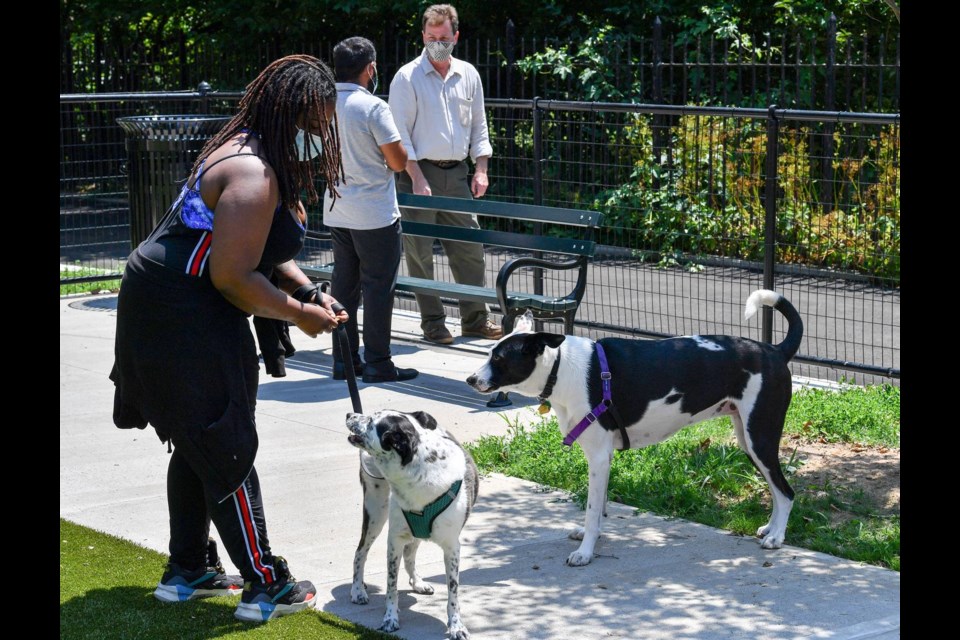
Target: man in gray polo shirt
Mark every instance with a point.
(437, 102)
(365, 220)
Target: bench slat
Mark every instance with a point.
(509, 210)
(512, 303)
(526, 241)
(472, 293)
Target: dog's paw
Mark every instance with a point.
(771, 539)
(578, 559)
(576, 534)
(421, 587)
(390, 624)
(358, 594)
(458, 632)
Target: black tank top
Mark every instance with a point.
(181, 241)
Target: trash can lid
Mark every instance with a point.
(172, 126)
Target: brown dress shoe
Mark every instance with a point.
(439, 335)
(487, 330)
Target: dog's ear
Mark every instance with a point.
(426, 420)
(395, 439)
(524, 323)
(536, 343)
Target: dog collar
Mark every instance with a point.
(421, 522)
(367, 466)
(597, 411)
(548, 388)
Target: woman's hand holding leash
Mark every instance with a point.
(322, 312)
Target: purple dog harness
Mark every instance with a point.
(600, 409)
(595, 413)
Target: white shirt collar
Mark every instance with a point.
(351, 86)
(429, 68)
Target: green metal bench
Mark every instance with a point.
(544, 253)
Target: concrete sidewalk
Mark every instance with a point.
(652, 578)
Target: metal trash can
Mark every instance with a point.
(160, 153)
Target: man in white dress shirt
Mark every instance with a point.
(437, 103)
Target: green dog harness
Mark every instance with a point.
(421, 522)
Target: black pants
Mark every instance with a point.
(239, 520)
(365, 267)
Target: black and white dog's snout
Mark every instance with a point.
(357, 423)
(480, 380)
(478, 384)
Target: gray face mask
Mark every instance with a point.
(439, 51)
(307, 151)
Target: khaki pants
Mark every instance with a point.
(466, 259)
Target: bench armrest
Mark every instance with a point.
(503, 277)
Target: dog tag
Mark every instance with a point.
(544, 407)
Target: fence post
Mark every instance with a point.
(203, 89)
(659, 121)
(511, 56)
(826, 171)
(511, 136)
(538, 161)
(770, 218)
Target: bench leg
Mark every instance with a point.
(500, 400)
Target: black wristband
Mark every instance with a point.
(308, 293)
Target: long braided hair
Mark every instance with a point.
(290, 87)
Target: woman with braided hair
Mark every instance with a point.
(185, 358)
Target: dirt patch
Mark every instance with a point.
(848, 467)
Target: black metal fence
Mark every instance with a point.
(800, 70)
(703, 205)
(95, 233)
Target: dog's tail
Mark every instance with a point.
(773, 299)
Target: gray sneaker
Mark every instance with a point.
(179, 585)
(261, 602)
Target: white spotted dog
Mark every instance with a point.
(419, 477)
(640, 392)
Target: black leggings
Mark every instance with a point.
(239, 520)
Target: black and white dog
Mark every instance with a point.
(417, 475)
(640, 392)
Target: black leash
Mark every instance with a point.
(341, 341)
(341, 346)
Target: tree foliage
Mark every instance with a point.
(233, 24)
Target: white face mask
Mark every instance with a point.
(439, 51)
(307, 151)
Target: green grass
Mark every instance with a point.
(863, 415)
(106, 591)
(86, 287)
(700, 474)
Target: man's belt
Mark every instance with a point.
(444, 164)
